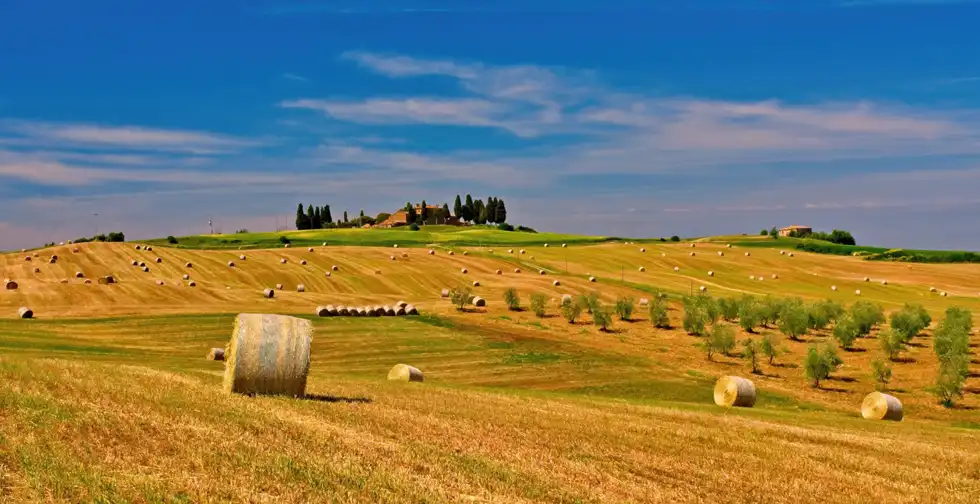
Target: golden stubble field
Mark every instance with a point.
(108, 394)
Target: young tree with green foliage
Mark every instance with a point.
(949, 384)
(764, 232)
(624, 308)
(512, 299)
(571, 311)
(460, 296)
(846, 332)
(793, 320)
(881, 372)
(728, 307)
(867, 316)
(750, 353)
(774, 233)
(768, 309)
(696, 316)
(721, 338)
(951, 343)
(748, 313)
(819, 363)
(601, 318)
(589, 302)
(909, 321)
(658, 313)
(539, 304)
(892, 343)
(769, 348)
(822, 313)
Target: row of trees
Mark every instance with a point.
(838, 236)
(115, 236)
(493, 211)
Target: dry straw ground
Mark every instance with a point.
(107, 395)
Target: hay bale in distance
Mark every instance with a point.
(711, 273)
(286, 245)
(411, 310)
(452, 253)
(775, 276)
(37, 270)
(231, 264)
(432, 252)
(137, 247)
(88, 281)
(334, 268)
(159, 260)
(866, 279)
(192, 284)
(884, 282)
(692, 254)
(188, 265)
(734, 391)
(391, 257)
(160, 283)
(302, 262)
(343, 311)
(943, 294)
(25, 312)
(643, 250)
(326, 273)
(857, 292)
(322, 311)
(791, 254)
(782, 252)
(464, 271)
(476, 283)
(478, 301)
(751, 277)
(677, 268)
(833, 288)
(278, 286)
(703, 289)
(642, 269)
(268, 355)
(592, 279)
(747, 254)
(282, 261)
(542, 272)
(644, 302)
(932, 289)
(556, 283)
(309, 249)
(444, 293)
(389, 311)
(878, 406)
(721, 254)
(500, 272)
(187, 277)
(545, 245)
(268, 293)
(216, 354)
(517, 270)
(466, 253)
(400, 311)
(148, 248)
(142, 264)
(564, 245)
(79, 274)
(9, 284)
(241, 257)
(405, 373)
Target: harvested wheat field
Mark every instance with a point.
(108, 397)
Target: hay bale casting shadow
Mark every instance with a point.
(268, 355)
(734, 391)
(216, 354)
(406, 373)
(878, 406)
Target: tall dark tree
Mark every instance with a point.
(481, 217)
(458, 208)
(445, 212)
(501, 211)
(491, 210)
(362, 216)
(309, 216)
(345, 217)
(326, 217)
(424, 212)
(410, 213)
(301, 222)
(317, 218)
(468, 209)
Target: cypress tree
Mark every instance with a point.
(482, 215)
(491, 210)
(345, 217)
(309, 217)
(327, 218)
(468, 209)
(410, 212)
(458, 208)
(501, 211)
(424, 212)
(301, 218)
(445, 212)
(317, 218)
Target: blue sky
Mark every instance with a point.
(622, 117)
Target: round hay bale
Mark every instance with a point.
(282, 261)
(693, 245)
(159, 260)
(644, 301)
(324, 244)
(751, 277)
(452, 253)
(884, 282)
(500, 272)
(878, 406)
(791, 254)
(405, 373)
(833, 288)
(188, 265)
(278, 286)
(444, 293)
(478, 301)
(466, 253)
(268, 293)
(25, 312)
(286, 245)
(943, 294)
(302, 262)
(642, 269)
(432, 252)
(79, 274)
(932, 289)
(476, 283)
(268, 355)
(721, 254)
(775, 276)
(192, 284)
(134, 263)
(332, 311)
(761, 278)
(160, 283)
(327, 273)
(523, 251)
(734, 391)
(542, 272)
(395, 245)
(464, 271)
(187, 277)
(137, 247)
(411, 310)
(400, 311)
(643, 250)
(9, 284)
(729, 245)
(857, 292)
(517, 270)
(335, 268)
(866, 279)
(216, 354)
(389, 311)
(37, 270)
(564, 245)
(556, 283)
(545, 245)
(343, 311)
(309, 249)
(592, 279)
(88, 281)
(148, 248)
(663, 254)
(300, 288)
(782, 252)
(510, 251)
(321, 311)
(242, 257)
(692, 254)
(231, 264)
(711, 273)
(391, 257)
(54, 260)
(142, 264)
(676, 268)
(703, 288)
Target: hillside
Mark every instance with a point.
(120, 367)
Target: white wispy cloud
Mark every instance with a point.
(122, 137)
(294, 77)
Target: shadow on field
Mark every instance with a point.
(337, 399)
(844, 379)
(855, 350)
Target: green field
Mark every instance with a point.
(447, 236)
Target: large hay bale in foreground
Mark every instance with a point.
(878, 406)
(25, 312)
(9, 284)
(268, 355)
(216, 354)
(734, 391)
(404, 372)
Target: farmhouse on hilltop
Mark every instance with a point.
(433, 216)
(795, 230)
